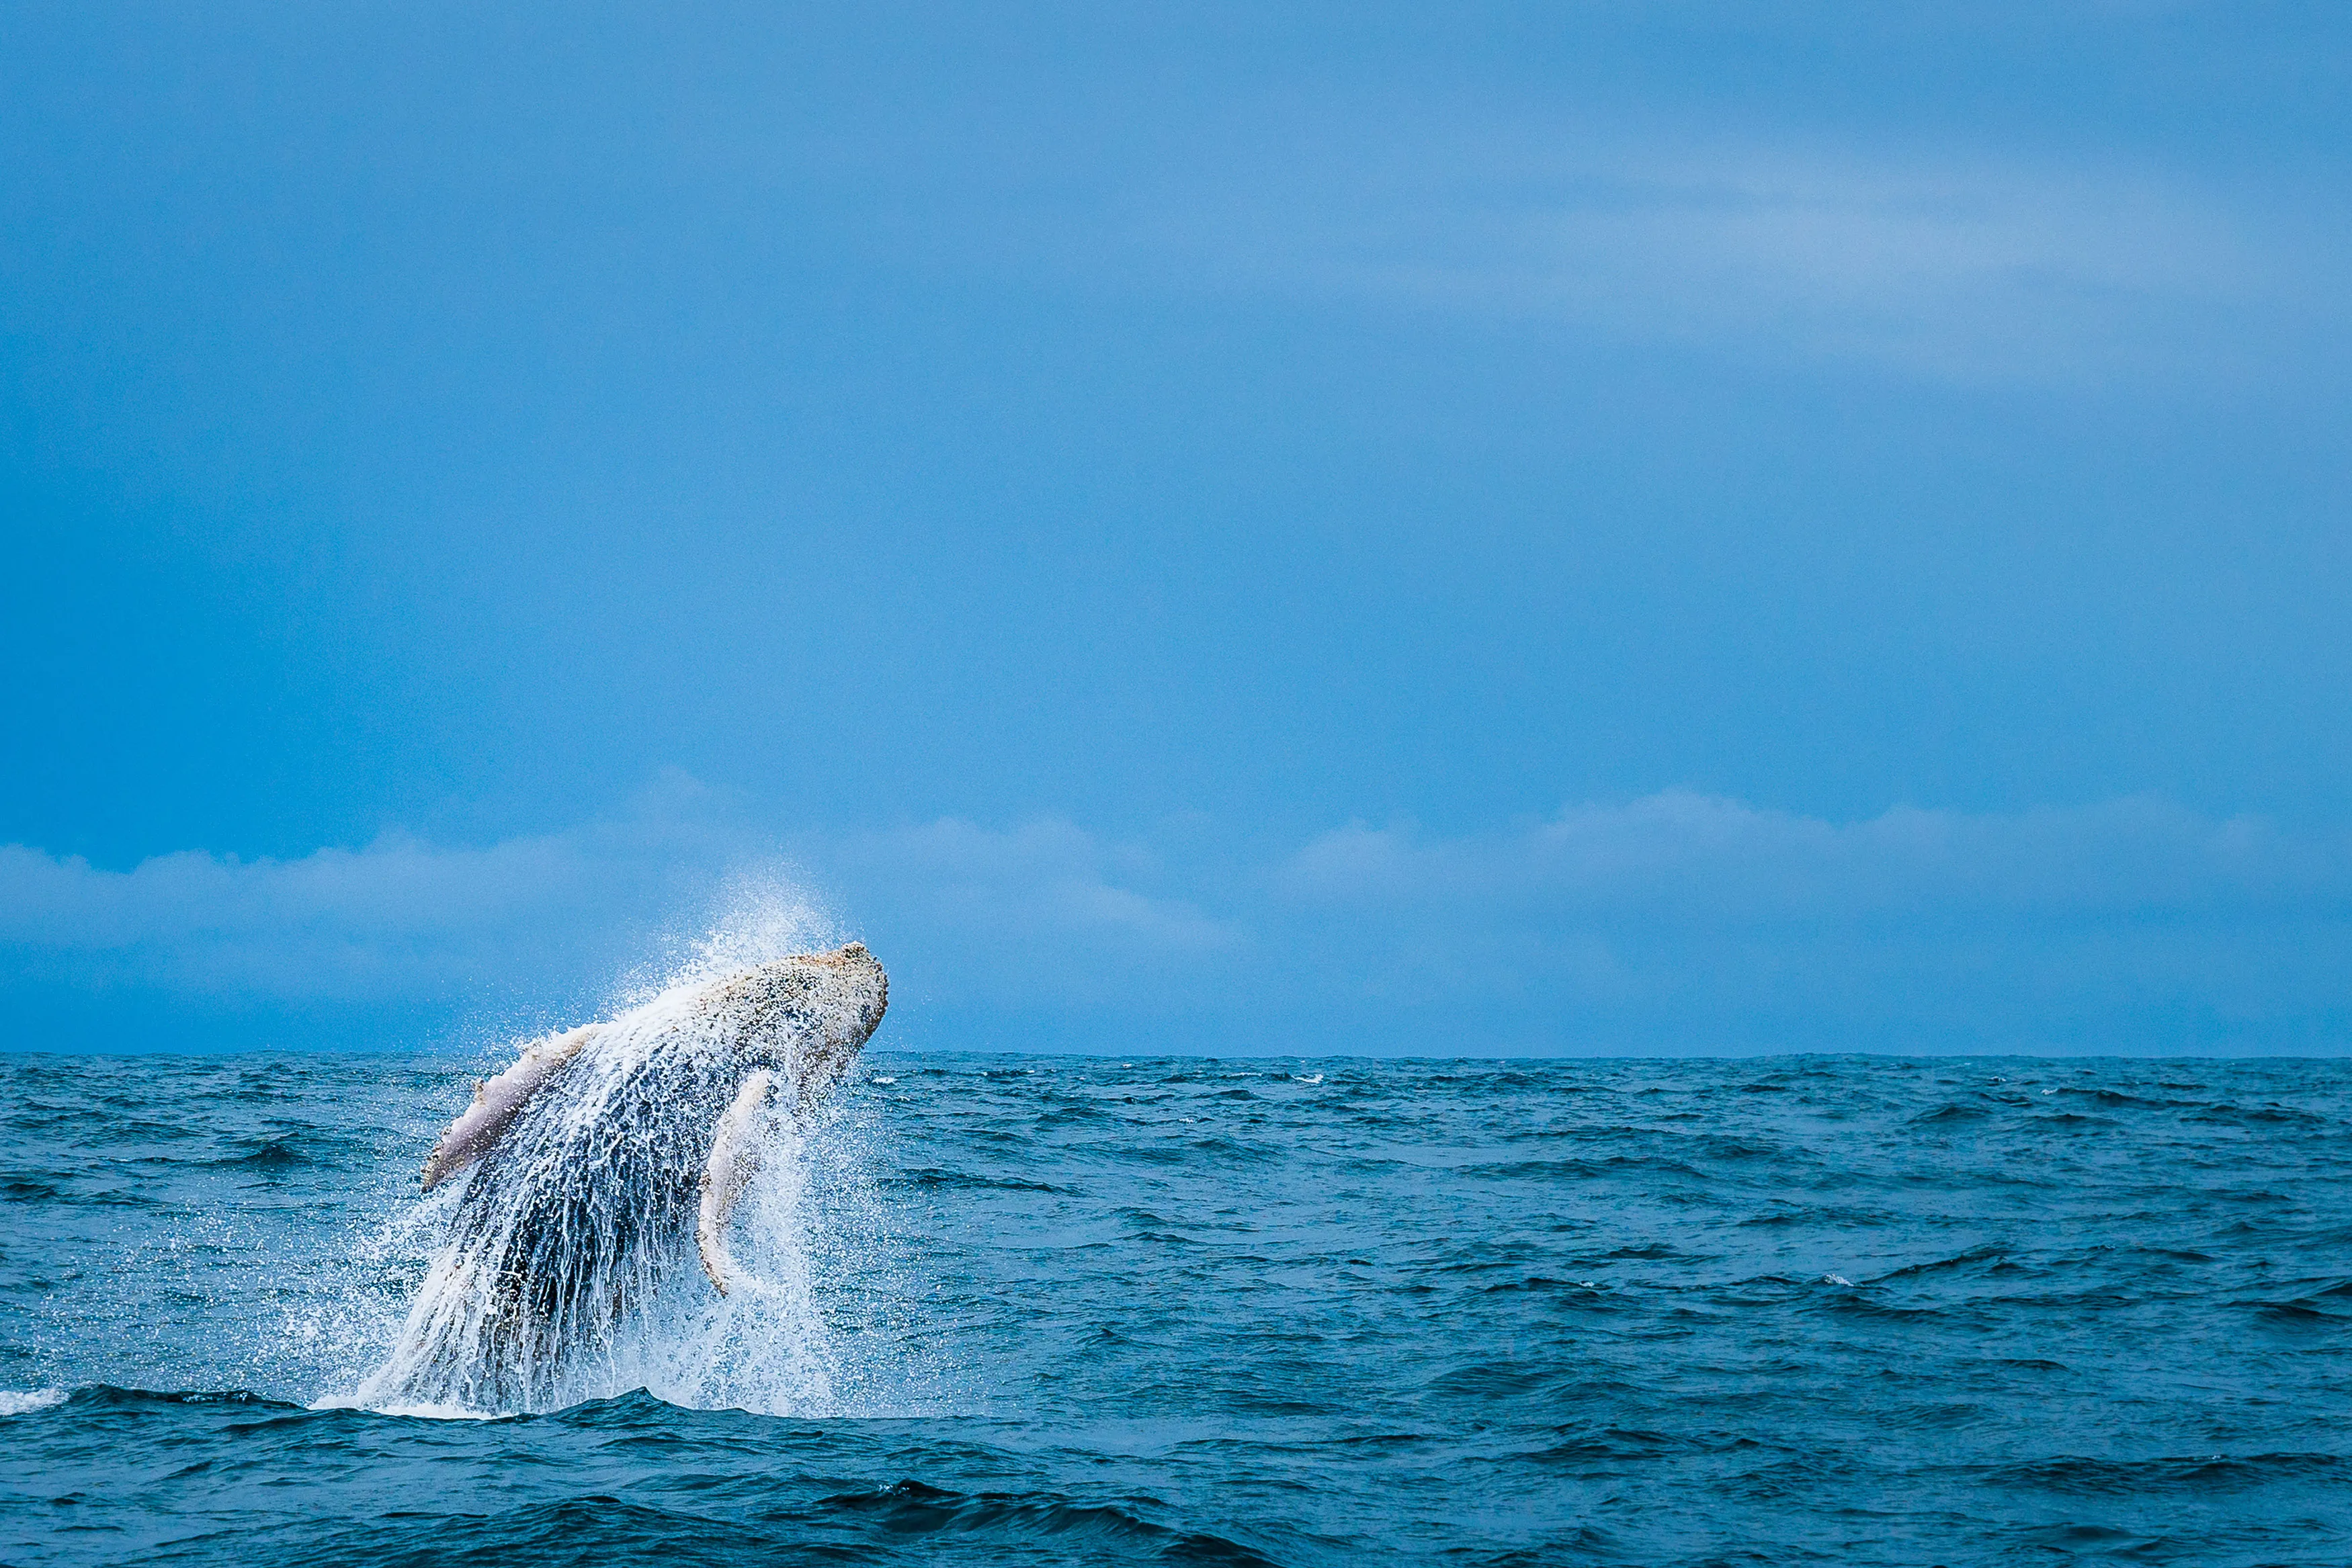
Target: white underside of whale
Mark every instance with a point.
(734, 1161)
(496, 1103)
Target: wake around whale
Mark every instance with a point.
(604, 1165)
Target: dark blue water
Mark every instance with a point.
(1846, 1310)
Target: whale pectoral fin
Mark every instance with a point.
(734, 1160)
(496, 1102)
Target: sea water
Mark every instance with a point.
(1846, 1310)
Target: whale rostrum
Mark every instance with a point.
(604, 1159)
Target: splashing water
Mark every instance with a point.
(569, 1269)
(760, 915)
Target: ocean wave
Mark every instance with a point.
(910, 1507)
(1074, 1311)
(2166, 1476)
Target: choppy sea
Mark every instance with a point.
(1821, 1309)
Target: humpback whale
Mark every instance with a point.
(605, 1163)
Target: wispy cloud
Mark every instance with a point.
(1950, 263)
(1701, 860)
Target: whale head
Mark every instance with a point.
(805, 1017)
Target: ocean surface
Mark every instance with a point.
(1015, 1310)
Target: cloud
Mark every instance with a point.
(1043, 879)
(1694, 860)
(1033, 918)
(568, 918)
(1678, 922)
(1951, 264)
(1685, 920)
(396, 919)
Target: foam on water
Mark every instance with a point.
(13, 1402)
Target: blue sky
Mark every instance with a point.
(1481, 529)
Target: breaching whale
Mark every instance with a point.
(604, 1162)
